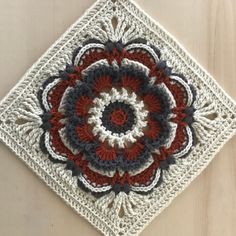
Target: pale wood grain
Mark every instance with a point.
(207, 29)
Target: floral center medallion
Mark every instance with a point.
(117, 116)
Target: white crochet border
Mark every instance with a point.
(53, 178)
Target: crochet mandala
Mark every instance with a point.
(117, 118)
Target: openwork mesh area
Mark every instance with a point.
(117, 118)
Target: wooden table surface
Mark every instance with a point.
(207, 29)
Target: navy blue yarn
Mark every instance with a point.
(144, 41)
(162, 65)
(70, 165)
(113, 127)
(89, 150)
(45, 121)
(70, 69)
(93, 75)
(119, 162)
(72, 97)
(85, 88)
(161, 138)
(121, 188)
(109, 46)
(73, 138)
(137, 40)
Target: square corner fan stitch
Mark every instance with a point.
(117, 118)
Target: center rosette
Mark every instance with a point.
(117, 117)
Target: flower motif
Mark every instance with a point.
(117, 116)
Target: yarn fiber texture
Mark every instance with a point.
(117, 118)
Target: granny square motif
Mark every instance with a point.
(117, 118)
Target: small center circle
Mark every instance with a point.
(118, 117)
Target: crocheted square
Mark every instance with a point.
(117, 118)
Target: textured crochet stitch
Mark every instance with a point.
(117, 118)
